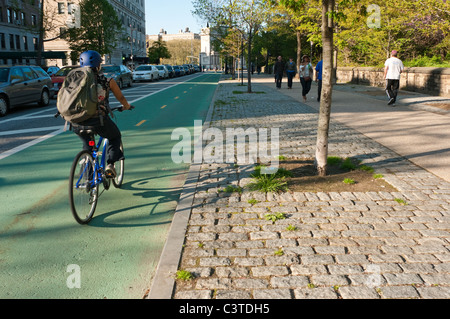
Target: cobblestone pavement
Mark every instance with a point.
(345, 245)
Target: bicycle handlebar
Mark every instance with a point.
(120, 108)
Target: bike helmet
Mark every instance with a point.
(90, 58)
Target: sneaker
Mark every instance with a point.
(391, 101)
(110, 171)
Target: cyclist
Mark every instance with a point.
(101, 123)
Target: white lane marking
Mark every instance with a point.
(31, 143)
(30, 130)
(59, 131)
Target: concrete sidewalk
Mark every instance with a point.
(346, 244)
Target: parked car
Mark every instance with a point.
(176, 70)
(50, 69)
(120, 73)
(163, 72)
(23, 85)
(186, 69)
(196, 68)
(146, 72)
(171, 70)
(59, 77)
(182, 70)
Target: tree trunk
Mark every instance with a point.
(299, 51)
(327, 86)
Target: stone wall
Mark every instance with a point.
(433, 81)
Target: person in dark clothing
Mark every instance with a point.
(104, 125)
(319, 79)
(291, 71)
(278, 71)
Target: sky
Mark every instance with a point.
(170, 15)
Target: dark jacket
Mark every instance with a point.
(279, 68)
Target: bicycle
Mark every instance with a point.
(88, 173)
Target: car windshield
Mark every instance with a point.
(4, 73)
(160, 67)
(63, 71)
(108, 69)
(144, 68)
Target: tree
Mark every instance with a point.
(158, 51)
(98, 29)
(243, 16)
(328, 14)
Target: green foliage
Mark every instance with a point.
(269, 183)
(349, 181)
(99, 28)
(184, 275)
(158, 51)
(275, 216)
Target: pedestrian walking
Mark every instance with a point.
(278, 70)
(393, 68)
(319, 79)
(291, 71)
(305, 71)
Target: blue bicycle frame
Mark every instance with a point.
(99, 166)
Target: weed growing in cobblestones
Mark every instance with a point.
(184, 275)
(200, 245)
(291, 227)
(275, 216)
(279, 252)
(253, 201)
(269, 183)
(349, 181)
(232, 189)
(376, 176)
(401, 201)
(281, 172)
(311, 285)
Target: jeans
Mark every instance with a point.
(278, 78)
(319, 89)
(290, 76)
(306, 85)
(392, 87)
(108, 130)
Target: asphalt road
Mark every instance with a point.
(44, 253)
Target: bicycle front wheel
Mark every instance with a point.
(120, 171)
(83, 191)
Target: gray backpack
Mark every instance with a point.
(77, 98)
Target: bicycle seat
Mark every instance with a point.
(84, 130)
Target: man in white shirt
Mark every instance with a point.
(393, 67)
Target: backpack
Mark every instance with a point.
(77, 98)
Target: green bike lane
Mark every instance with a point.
(44, 253)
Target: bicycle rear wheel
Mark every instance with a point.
(83, 192)
(120, 171)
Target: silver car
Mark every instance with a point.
(23, 84)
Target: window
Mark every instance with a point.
(61, 7)
(16, 74)
(35, 43)
(33, 20)
(18, 42)
(10, 15)
(70, 8)
(2, 41)
(11, 41)
(25, 43)
(23, 18)
(29, 74)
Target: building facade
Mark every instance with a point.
(19, 21)
(131, 43)
(209, 59)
